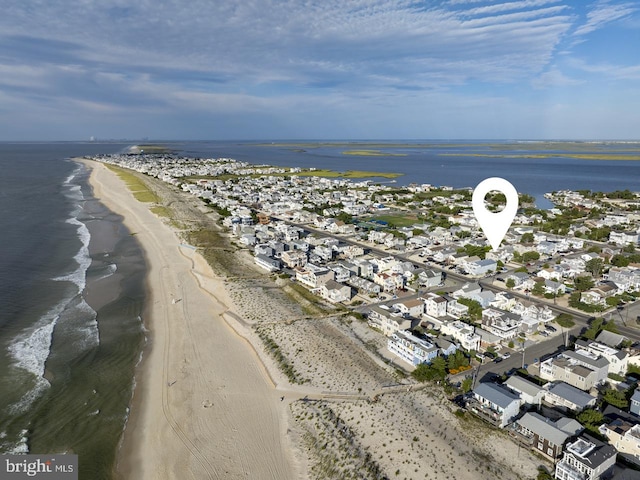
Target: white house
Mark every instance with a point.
(411, 349)
(463, 333)
(586, 459)
(436, 305)
(495, 404)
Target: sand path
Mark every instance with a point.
(204, 406)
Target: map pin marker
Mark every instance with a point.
(495, 224)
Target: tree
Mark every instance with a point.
(591, 419)
(583, 283)
(594, 328)
(526, 238)
(466, 385)
(616, 397)
(510, 283)
(620, 261)
(456, 360)
(565, 320)
(538, 288)
(594, 266)
(475, 309)
(439, 364)
(530, 256)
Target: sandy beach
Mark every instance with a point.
(204, 406)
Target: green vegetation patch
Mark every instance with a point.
(373, 153)
(395, 220)
(140, 191)
(152, 148)
(161, 211)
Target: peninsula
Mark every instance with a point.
(287, 317)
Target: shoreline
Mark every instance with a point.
(170, 432)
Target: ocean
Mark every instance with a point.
(71, 290)
(72, 277)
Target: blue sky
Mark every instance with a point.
(293, 69)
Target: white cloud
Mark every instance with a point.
(602, 13)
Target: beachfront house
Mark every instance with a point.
(335, 292)
(411, 349)
(624, 435)
(386, 321)
(529, 392)
(494, 403)
(586, 459)
(544, 435)
(563, 396)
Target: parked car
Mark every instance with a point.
(551, 328)
(497, 360)
(506, 355)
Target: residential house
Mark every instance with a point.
(445, 347)
(503, 324)
(529, 392)
(364, 286)
(386, 321)
(481, 267)
(504, 301)
(618, 359)
(268, 263)
(586, 459)
(545, 435)
(314, 276)
(519, 278)
(624, 435)
(294, 258)
(626, 279)
(335, 292)
(634, 404)
(582, 369)
(494, 403)
(342, 274)
(565, 396)
(411, 349)
(624, 238)
(463, 333)
(429, 278)
(413, 307)
(436, 305)
(468, 290)
(456, 309)
(389, 281)
(598, 295)
(611, 339)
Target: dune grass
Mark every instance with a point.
(140, 191)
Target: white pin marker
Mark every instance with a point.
(495, 224)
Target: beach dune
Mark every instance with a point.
(204, 406)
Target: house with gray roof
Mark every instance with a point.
(530, 393)
(634, 404)
(586, 459)
(610, 338)
(564, 396)
(494, 403)
(545, 435)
